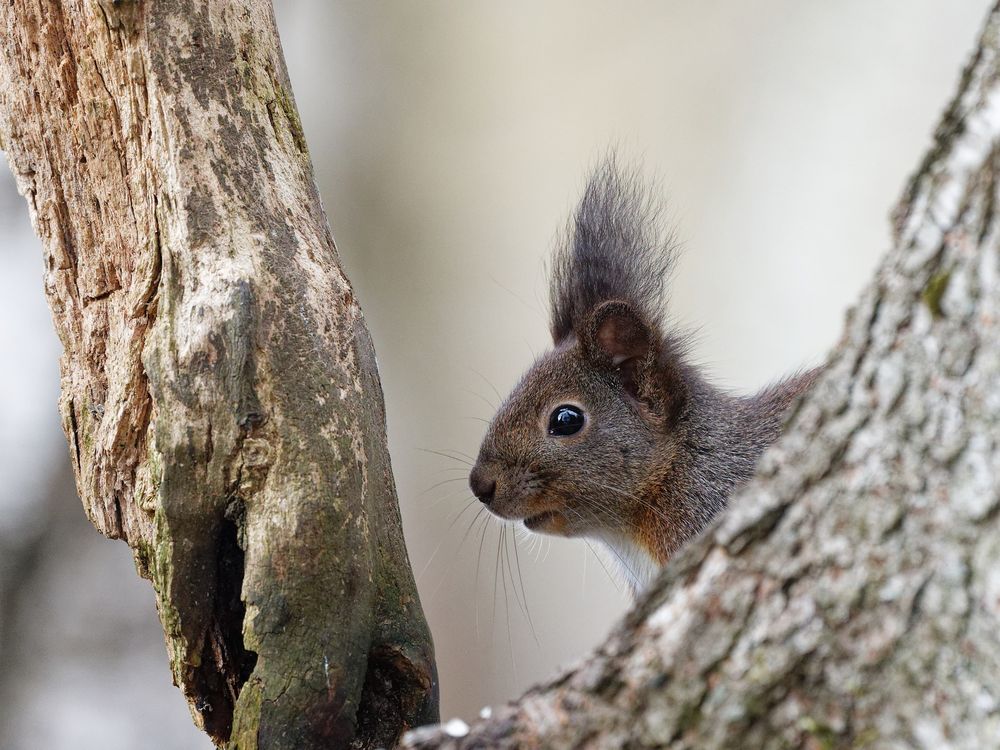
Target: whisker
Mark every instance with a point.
(446, 455)
(451, 496)
(615, 583)
(534, 354)
(444, 537)
(628, 495)
(461, 469)
(459, 547)
(518, 297)
(442, 482)
(462, 453)
(623, 563)
(524, 594)
(591, 503)
(490, 384)
(485, 400)
(506, 550)
(506, 599)
(479, 559)
(537, 544)
(496, 572)
(542, 304)
(474, 519)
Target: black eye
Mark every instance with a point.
(565, 420)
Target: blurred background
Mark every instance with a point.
(450, 142)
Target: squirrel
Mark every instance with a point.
(613, 434)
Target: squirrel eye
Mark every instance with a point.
(565, 420)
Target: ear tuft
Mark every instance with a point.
(617, 246)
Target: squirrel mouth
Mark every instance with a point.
(537, 522)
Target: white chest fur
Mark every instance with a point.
(636, 567)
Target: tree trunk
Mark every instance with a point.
(850, 596)
(219, 388)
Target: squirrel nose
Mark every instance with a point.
(482, 486)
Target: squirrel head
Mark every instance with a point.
(595, 425)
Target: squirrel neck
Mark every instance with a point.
(721, 438)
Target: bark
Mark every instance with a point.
(850, 596)
(219, 388)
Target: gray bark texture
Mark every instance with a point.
(850, 595)
(219, 388)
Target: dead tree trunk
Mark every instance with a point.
(850, 597)
(219, 388)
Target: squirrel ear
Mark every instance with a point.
(616, 335)
(615, 332)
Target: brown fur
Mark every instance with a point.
(661, 450)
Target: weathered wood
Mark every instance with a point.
(219, 388)
(850, 596)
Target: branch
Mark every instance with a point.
(850, 596)
(219, 388)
